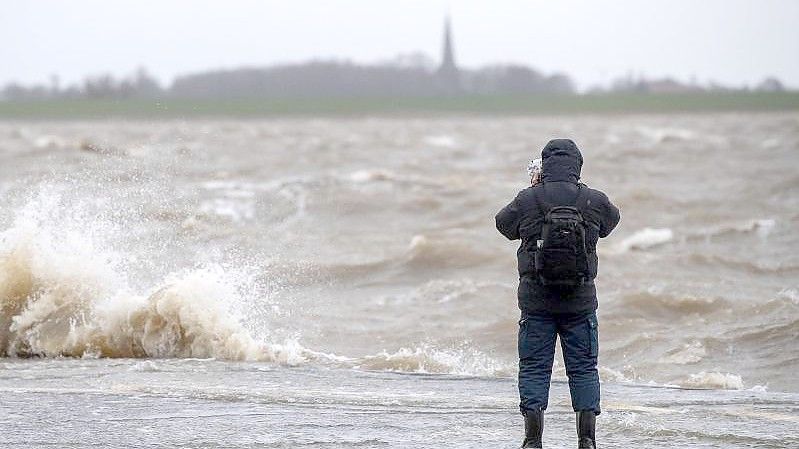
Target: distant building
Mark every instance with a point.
(653, 86)
(448, 75)
(770, 84)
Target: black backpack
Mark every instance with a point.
(561, 258)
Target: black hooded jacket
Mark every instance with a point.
(523, 217)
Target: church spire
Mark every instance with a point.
(448, 56)
(448, 71)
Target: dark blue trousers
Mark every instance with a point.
(579, 341)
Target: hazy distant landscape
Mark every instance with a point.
(412, 83)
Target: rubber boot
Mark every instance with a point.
(586, 429)
(533, 428)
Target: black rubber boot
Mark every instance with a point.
(533, 428)
(586, 429)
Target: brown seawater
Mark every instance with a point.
(339, 282)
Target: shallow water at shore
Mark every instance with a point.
(202, 403)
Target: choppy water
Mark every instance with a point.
(339, 282)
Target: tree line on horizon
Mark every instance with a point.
(413, 76)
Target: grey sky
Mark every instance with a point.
(731, 41)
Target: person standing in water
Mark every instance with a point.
(559, 221)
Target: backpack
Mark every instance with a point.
(561, 258)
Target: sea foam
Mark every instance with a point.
(63, 294)
(646, 238)
(713, 380)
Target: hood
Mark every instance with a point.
(562, 161)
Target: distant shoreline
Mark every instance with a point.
(398, 106)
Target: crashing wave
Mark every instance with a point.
(55, 311)
(62, 296)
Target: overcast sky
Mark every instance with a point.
(730, 41)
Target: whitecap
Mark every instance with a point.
(443, 140)
(646, 238)
(362, 176)
(713, 380)
(426, 358)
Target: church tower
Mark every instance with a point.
(448, 75)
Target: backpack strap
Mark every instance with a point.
(545, 207)
(581, 204)
(542, 204)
